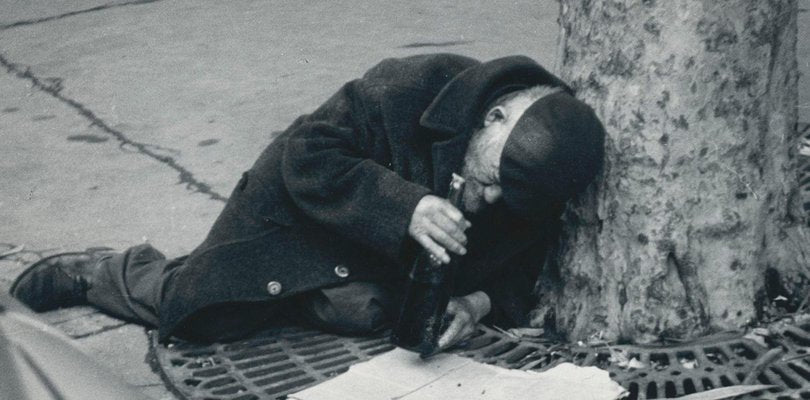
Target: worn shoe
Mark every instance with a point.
(60, 280)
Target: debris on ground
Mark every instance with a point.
(12, 252)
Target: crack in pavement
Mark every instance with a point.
(72, 13)
(97, 331)
(435, 44)
(186, 177)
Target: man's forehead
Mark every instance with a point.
(515, 108)
(519, 103)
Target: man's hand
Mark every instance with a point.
(439, 226)
(466, 312)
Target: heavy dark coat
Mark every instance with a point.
(335, 192)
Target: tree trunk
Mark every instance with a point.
(694, 224)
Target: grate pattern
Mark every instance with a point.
(716, 361)
(287, 360)
(271, 365)
(789, 367)
(674, 371)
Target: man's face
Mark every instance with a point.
(483, 158)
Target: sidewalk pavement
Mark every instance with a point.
(129, 121)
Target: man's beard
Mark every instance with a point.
(472, 198)
(470, 170)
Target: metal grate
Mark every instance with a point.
(680, 370)
(287, 360)
(268, 366)
(790, 369)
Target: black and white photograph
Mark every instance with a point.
(415, 200)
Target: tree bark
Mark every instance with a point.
(694, 224)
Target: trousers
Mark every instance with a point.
(130, 285)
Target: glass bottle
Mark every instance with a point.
(430, 284)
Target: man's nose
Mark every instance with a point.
(492, 193)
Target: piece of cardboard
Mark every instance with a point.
(402, 375)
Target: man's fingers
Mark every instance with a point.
(461, 327)
(451, 228)
(433, 248)
(455, 215)
(439, 227)
(445, 240)
(450, 335)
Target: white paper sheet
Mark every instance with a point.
(402, 375)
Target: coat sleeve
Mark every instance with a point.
(515, 255)
(333, 178)
(511, 292)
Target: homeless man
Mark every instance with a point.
(322, 229)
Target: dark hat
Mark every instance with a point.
(554, 151)
(459, 105)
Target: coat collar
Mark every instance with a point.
(447, 156)
(459, 107)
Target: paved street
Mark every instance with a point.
(129, 121)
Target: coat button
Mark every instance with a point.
(273, 288)
(341, 271)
